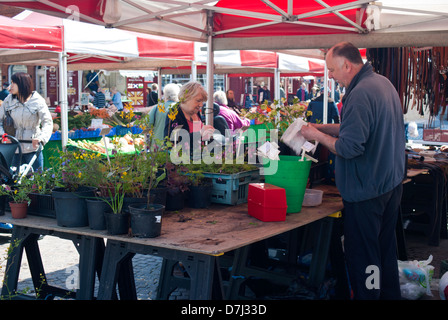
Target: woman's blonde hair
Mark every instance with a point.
(190, 90)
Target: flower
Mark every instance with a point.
(44, 180)
(20, 191)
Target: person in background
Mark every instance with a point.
(153, 96)
(116, 98)
(337, 94)
(314, 92)
(192, 96)
(100, 99)
(92, 80)
(157, 115)
(261, 93)
(282, 93)
(231, 101)
(302, 93)
(4, 93)
(316, 107)
(232, 118)
(32, 119)
(267, 93)
(369, 144)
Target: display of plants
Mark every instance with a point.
(76, 121)
(278, 115)
(123, 118)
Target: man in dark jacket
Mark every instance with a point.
(316, 106)
(369, 144)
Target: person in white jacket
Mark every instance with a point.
(32, 118)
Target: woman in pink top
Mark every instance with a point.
(232, 118)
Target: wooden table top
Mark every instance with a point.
(212, 231)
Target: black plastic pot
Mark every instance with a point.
(159, 195)
(200, 196)
(70, 207)
(175, 201)
(41, 205)
(95, 212)
(117, 223)
(146, 222)
(131, 200)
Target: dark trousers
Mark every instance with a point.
(370, 246)
(26, 159)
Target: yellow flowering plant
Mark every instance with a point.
(145, 122)
(72, 169)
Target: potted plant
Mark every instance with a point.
(42, 203)
(200, 188)
(19, 198)
(146, 218)
(72, 189)
(177, 183)
(117, 220)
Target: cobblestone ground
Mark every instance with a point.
(60, 260)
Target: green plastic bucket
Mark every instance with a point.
(292, 175)
(258, 132)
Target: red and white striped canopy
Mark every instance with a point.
(24, 36)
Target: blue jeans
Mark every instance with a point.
(26, 158)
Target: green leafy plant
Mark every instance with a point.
(116, 199)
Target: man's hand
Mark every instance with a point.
(311, 133)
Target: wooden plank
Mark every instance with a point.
(212, 231)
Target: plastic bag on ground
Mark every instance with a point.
(415, 278)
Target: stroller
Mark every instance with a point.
(9, 175)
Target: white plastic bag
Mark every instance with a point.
(415, 278)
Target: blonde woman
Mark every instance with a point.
(192, 97)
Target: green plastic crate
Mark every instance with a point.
(232, 188)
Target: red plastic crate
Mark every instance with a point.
(266, 202)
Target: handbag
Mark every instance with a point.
(8, 124)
